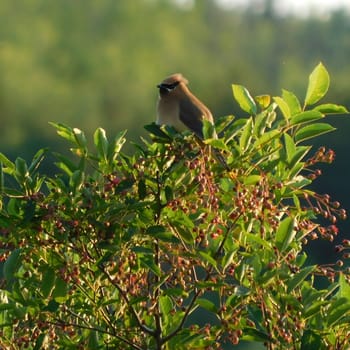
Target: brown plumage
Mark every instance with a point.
(179, 108)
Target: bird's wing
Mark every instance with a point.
(192, 116)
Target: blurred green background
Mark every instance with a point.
(94, 64)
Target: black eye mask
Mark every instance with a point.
(166, 88)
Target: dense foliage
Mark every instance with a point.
(119, 251)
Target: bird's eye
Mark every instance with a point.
(168, 87)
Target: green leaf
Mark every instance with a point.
(64, 131)
(160, 232)
(101, 143)
(37, 159)
(267, 137)
(223, 122)
(48, 282)
(148, 262)
(208, 258)
(244, 99)
(285, 233)
(305, 117)
(76, 180)
(80, 138)
(318, 85)
(217, 143)
(299, 277)
(292, 102)
(21, 169)
(60, 292)
(311, 340)
(93, 342)
(117, 144)
(251, 180)
(252, 334)
(290, 147)
(330, 108)
(246, 136)
(9, 166)
(156, 130)
(338, 310)
(344, 287)
(283, 106)
(313, 130)
(207, 305)
(166, 305)
(141, 189)
(263, 101)
(175, 292)
(208, 130)
(12, 264)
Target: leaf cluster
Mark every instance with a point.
(121, 251)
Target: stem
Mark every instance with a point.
(126, 300)
(75, 325)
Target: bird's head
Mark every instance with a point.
(170, 83)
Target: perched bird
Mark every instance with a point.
(179, 108)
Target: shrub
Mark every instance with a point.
(166, 248)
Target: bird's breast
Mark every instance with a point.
(168, 113)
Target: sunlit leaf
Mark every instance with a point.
(263, 101)
(207, 304)
(330, 108)
(283, 106)
(311, 131)
(246, 135)
(244, 99)
(318, 85)
(292, 102)
(285, 233)
(305, 117)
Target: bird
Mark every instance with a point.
(178, 107)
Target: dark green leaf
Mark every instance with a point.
(208, 258)
(338, 310)
(48, 282)
(12, 264)
(344, 287)
(311, 340)
(141, 189)
(157, 131)
(299, 277)
(207, 305)
(255, 335)
(60, 292)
